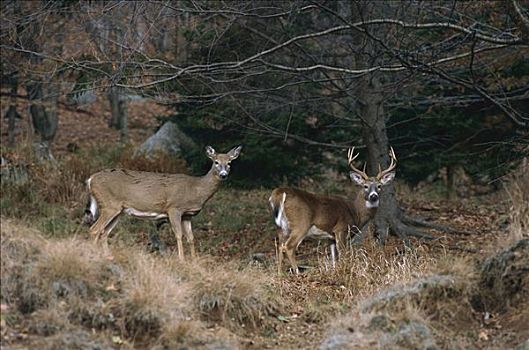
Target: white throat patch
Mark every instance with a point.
(371, 205)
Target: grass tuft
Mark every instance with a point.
(231, 295)
(517, 189)
(152, 295)
(369, 267)
(159, 163)
(71, 285)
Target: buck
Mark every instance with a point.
(300, 214)
(148, 195)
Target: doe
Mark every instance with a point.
(149, 195)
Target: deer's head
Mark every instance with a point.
(372, 185)
(221, 161)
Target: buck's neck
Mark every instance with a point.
(359, 205)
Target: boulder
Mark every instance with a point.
(504, 280)
(418, 292)
(169, 139)
(380, 331)
(387, 319)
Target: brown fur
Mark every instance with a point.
(332, 214)
(329, 217)
(154, 195)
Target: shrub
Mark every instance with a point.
(235, 297)
(152, 295)
(366, 268)
(159, 163)
(60, 289)
(517, 189)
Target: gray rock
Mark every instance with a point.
(83, 97)
(12, 173)
(523, 346)
(413, 335)
(435, 285)
(338, 341)
(80, 340)
(505, 278)
(379, 331)
(169, 139)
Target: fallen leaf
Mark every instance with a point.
(282, 318)
(116, 339)
(111, 288)
(483, 336)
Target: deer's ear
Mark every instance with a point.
(386, 179)
(357, 178)
(234, 152)
(210, 152)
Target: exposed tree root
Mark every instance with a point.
(401, 226)
(416, 221)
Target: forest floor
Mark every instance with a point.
(236, 240)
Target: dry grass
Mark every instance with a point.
(517, 189)
(236, 297)
(152, 295)
(72, 285)
(63, 184)
(37, 274)
(369, 267)
(159, 163)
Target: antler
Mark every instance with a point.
(391, 167)
(352, 157)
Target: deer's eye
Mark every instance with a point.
(217, 162)
(379, 186)
(366, 187)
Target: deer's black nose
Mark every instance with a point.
(373, 197)
(223, 176)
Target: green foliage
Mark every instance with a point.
(519, 69)
(447, 137)
(265, 159)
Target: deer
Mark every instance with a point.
(149, 195)
(300, 214)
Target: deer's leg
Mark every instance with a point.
(292, 243)
(360, 233)
(107, 218)
(281, 249)
(188, 231)
(340, 238)
(332, 246)
(175, 218)
(110, 226)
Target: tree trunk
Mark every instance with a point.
(119, 113)
(389, 217)
(11, 113)
(43, 111)
(371, 110)
(181, 45)
(123, 121)
(451, 193)
(113, 99)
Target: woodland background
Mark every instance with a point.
(445, 83)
